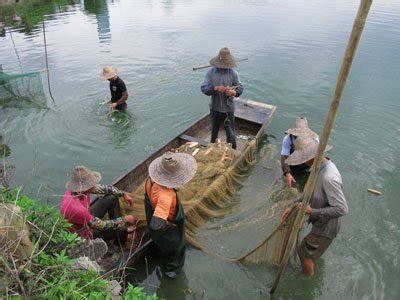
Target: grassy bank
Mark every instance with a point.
(48, 272)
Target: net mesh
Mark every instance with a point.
(16, 89)
(209, 195)
(271, 250)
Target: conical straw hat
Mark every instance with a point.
(82, 179)
(224, 59)
(304, 150)
(301, 128)
(108, 72)
(173, 170)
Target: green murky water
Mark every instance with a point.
(294, 49)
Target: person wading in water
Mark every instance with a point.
(222, 83)
(328, 203)
(87, 218)
(119, 93)
(164, 212)
(291, 172)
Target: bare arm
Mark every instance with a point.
(123, 98)
(285, 166)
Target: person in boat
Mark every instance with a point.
(328, 203)
(300, 129)
(87, 218)
(222, 83)
(119, 93)
(164, 212)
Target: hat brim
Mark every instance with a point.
(301, 131)
(223, 64)
(107, 76)
(299, 157)
(182, 176)
(82, 187)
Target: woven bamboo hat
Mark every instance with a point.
(305, 148)
(301, 128)
(173, 170)
(224, 59)
(108, 72)
(82, 179)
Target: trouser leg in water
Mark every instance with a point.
(170, 242)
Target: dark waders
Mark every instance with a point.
(299, 172)
(171, 241)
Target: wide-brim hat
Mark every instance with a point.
(173, 170)
(108, 72)
(305, 149)
(301, 128)
(82, 179)
(223, 60)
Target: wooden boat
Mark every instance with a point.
(251, 120)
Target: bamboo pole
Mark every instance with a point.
(352, 45)
(47, 63)
(208, 65)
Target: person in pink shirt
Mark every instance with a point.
(86, 217)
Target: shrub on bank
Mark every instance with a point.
(48, 272)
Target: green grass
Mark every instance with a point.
(48, 273)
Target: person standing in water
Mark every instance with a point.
(164, 212)
(119, 93)
(328, 203)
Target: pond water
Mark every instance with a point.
(295, 50)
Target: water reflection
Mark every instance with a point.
(168, 6)
(30, 14)
(148, 275)
(5, 167)
(2, 29)
(99, 8)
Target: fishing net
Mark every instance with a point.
(272, 248)
(20, 89)
(209, 196)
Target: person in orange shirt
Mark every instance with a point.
(164, 212)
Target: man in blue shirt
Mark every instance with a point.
(300, 129)
(222, 83)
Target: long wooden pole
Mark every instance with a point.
(208, 65)
(352, 45)
(47, 64)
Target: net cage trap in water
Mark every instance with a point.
(19, 90)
